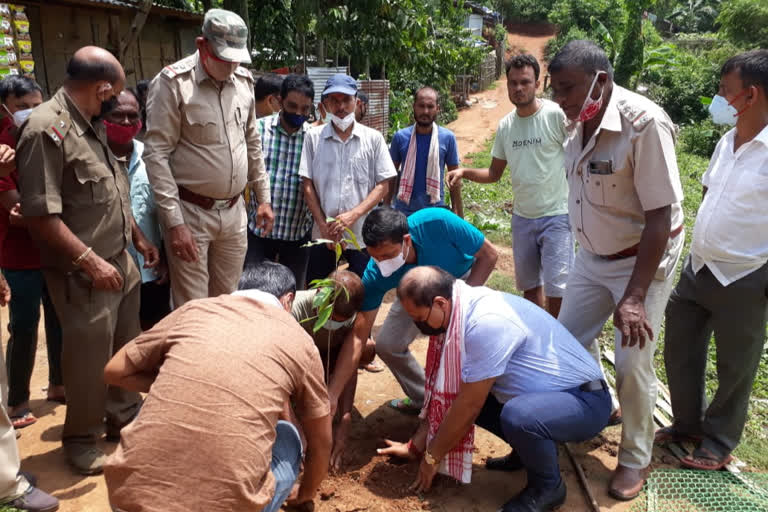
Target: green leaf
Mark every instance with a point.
(352, 239)
(322, 317)
(322, 297)
(338, 254)
(705, 100)
(321, 283)
(319, 241)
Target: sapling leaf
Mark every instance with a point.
(322, 317)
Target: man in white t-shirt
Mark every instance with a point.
(530, 142)
(724, 286)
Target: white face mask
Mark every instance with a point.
(392, 265)
(19, 116)
(342, 123)
(333, 325)
(722, 112)
(591, 107)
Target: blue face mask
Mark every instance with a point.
(295, 120)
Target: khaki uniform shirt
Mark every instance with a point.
(67, 169)
(628, 167)
(201, 135)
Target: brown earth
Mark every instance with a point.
(369, 482)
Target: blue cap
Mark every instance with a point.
(342, 83)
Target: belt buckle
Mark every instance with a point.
(221, 204)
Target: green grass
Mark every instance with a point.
(489, 207)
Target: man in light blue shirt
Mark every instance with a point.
(432, 236)
(122, 126)
(523, 377)
(420, 136)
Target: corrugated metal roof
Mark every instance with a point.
(321, 75)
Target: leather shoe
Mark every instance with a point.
(509, 462)
(533, 499)
(626, 483)
(35, 500)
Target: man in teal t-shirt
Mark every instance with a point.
(530, 142)
(431, 236)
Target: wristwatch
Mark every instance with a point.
(429, 459)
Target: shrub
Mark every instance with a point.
(745, 22)
(526, 10)
(700, 138)
(679, 88)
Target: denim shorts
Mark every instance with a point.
(543, 251)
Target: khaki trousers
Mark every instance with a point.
(95, 324)
(595, 286)
(12, 485)
(222, 241)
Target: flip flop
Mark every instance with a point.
(23, 418)
(404, 405)
(672, 435)
(694, 461)
(373, 368)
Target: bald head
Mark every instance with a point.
(421, 285)
(94, 64)
(349, 303)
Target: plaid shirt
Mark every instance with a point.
(282, 155)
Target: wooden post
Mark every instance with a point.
(138, 23)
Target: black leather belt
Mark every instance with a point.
(595, 385)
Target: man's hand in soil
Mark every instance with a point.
(340, 435)
(424, 479)
(396, 449)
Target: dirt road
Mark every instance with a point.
(369, 482)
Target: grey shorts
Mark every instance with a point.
(543, 251)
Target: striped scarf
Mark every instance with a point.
(433, 169)
(443, 378)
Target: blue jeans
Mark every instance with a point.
(534, 423)
(286, 463)
(28, 289)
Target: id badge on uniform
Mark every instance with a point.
(601, 167)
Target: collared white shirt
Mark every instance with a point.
(259, 296)
(344, 172)
(730, 236)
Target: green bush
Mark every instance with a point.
(679, 88)
(526, 10)
(578, 13)
(745, 22)
(556, 43)
(700, 138)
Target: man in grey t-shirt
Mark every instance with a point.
(523, 377)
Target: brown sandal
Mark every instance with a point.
(672, 435)
(701, 458)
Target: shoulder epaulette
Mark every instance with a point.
(59, 128)
(637, 116)
(178, 68)
(241, 71)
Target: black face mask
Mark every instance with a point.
(107, 106)
(427, 329)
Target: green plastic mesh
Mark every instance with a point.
(680, 490)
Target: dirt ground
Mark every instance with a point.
(369, 482)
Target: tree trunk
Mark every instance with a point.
(135, 30)
(320, 51)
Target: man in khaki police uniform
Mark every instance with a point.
(76, 203)
(624, 207)
(202, 148)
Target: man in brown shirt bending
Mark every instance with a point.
(208, 436)
(202, 149)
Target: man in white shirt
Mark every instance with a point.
(724, 287)
(345, 169)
